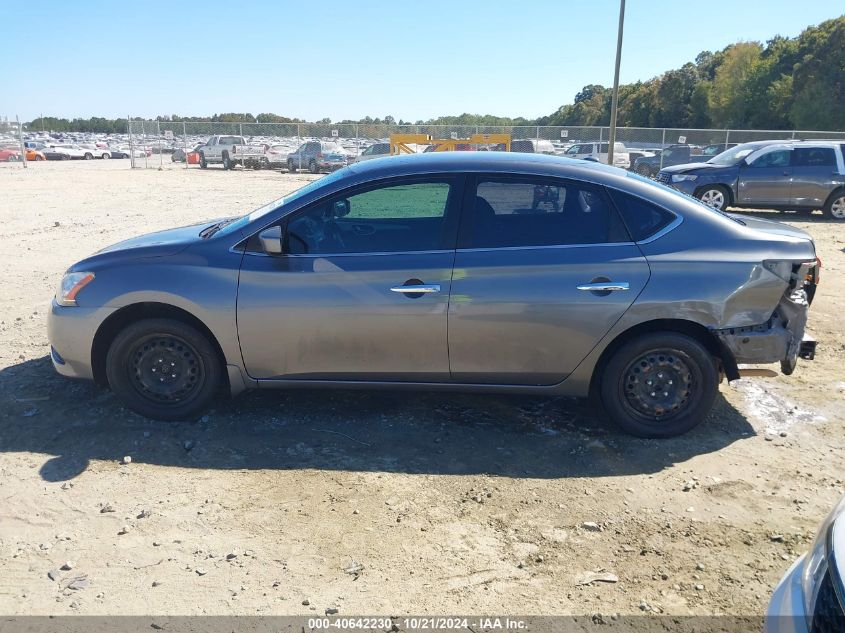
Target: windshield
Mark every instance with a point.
(734, 155)
(278, 202)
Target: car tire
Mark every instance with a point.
(39, 158)
(834, 208)
(89, 156)
(227, 162)
(203, 162)
(291, 166)
(141, 351)
(313, 168)
(105, 156)
(643, 170)
(678, 365)
(715, 196)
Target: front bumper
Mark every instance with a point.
(786, 613)
(71, 331)
(685, 186)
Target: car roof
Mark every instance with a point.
(490, 162)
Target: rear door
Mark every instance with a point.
(543, 270)
(361, 291)
(767, 178)
(815, 173)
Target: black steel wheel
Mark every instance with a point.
(659, 385)
(163, 369)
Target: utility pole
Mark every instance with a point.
(614, 100)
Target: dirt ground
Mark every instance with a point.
(378, 503)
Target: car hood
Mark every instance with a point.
(680, 169)
(158, 244)
(771, 226)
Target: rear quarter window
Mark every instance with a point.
(642, 218)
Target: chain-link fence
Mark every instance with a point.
(12, 148)
(152, 143)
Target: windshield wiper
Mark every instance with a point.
(211, 230)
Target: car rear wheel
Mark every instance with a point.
(312, 167)
(835, 206)
(291, 166)
(89, 156)
(227, 162)
(203, 162)
(163, 369)
(659, 385)
(714, 196)
(106, 156)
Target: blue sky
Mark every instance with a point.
(342, 59)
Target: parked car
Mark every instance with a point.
(95, 151)
(54, 153)
(649, 166)
(34, 154)
(277, 155)
(598, 151)
(810, 598)
(533, 146)
(634, 154)
(229, 151)
(76, 152)
(9, 155)
(317, 156)
(179, 155)
(575, 278)
(784, 175)
(376, 150)
(115, 152)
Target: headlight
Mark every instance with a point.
(683, 177)
(70, 286)
(815, 565)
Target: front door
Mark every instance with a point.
(767, 179)
(544, 269)
(361, 290)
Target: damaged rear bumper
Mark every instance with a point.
(780, 339)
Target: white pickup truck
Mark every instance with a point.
(230, 151)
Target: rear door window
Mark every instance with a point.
(533, 212)
(815, 157)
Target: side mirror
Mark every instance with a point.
(341, 208)
(271, 240)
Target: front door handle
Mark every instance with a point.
(604, 286)
(417, 288)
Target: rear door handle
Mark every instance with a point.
(419, 288)
(604, 286)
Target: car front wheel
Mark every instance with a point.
(714, 196)
(659, 385)
(163, 369)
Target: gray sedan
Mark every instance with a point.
(473, 271)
